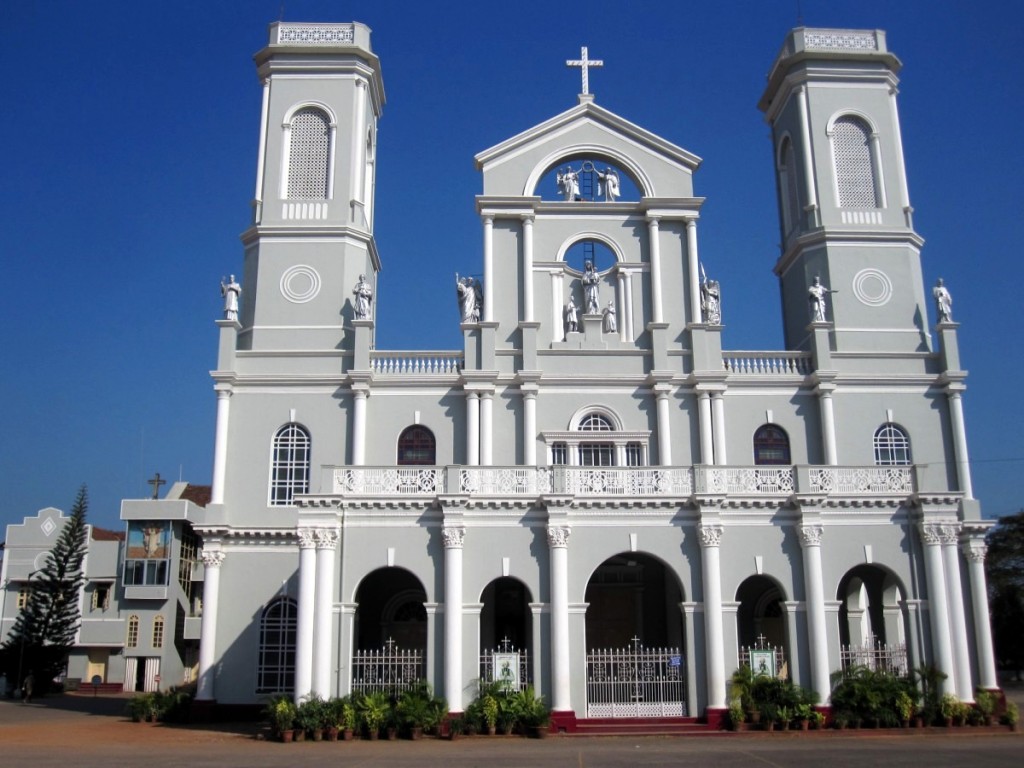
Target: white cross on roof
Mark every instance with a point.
(584, 63)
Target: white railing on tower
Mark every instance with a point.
(768, 363)
(404, 363)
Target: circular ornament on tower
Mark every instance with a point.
(872, 287)
(300, 284)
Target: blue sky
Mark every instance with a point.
(130, 134)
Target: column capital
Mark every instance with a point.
(454, 536)
(949, 533)
(931, 533)
(326, 538)
(710, 535)
(307, 538)
(528, 218)
(213, 559)
(810, 535)
(974, 550)
(558, 536)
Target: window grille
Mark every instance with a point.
(158, 632)
(416, 446)
(855, 171)
(771, 445)
(595, 422)
(276, 665)
(597, 455)
(559, 454)
(309, 155)
(892, 446)
(289, 473)
(634, 455)
(133, 632)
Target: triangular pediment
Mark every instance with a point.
(513, 167)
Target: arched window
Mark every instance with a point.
(595, 422)
(158, 632)
(289, 471)
(275, 671)
(133, 632)
(771, 445)
(596, 454)
(892, 446)
(416, 445)
(309, 155)
(856, 175)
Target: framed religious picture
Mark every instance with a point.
(762, 662)
(506, 669)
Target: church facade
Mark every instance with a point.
(591, 490)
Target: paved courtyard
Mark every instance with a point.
(85, 732)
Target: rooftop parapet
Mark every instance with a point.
(320, 35)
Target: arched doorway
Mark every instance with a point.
(872, 625)
(390, 631)
(635, 654)
(761, 626)
(506, 631)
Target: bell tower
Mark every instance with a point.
(312, 231)
(844, 204)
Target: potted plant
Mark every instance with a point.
(414, 712)
(532, 713)
(489, 711)
(374, 710)
(349, 720)
(803, 713)
(904, 708)
(1011, 716)
(742, 687)
(817, 720)
(309, 718)
(949, 707)
(986, 702)
(456, 727)
(784, 715)
(737, 718)
(280, 712)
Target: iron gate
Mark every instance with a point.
(635, 682)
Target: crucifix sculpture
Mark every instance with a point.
(584, 63)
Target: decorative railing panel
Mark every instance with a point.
(878, 656)
(628, 481)
(415, 363)
(388, 481)
(745, 480)
(853, 480)
(315, 34)
(505, 481)
(635, 682)
(390, 669)
(768, 363)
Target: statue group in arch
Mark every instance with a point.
(568, 182)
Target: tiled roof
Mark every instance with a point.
(197, 494)
(103, 534)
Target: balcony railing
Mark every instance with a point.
(644, 482)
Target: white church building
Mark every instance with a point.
(591, 490)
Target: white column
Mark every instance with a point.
(805, 139)
(486, 428)
(326, 545)
(938, 611)
(653, 232)
(718, 406)
(957, 617)
(975, 550)
(557, 304)
(472, 429)
(359, 428)
(261, 158)
(307, 607)
(220, 446)
(358, 142)
(206, 690)
(694, 265)
(963, 463)
(620, 303)
(814, 590)
(558, 545)
(901, 163)
(707, 451)
(530, 428)
(454, 537)
(528, 268)
(664, 429)
(714, 636)
(828, 427)
(628, 306)
(488, 268)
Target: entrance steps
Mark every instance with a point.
(644, 726)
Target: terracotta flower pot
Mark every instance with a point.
(287, 736)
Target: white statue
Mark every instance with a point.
(610, 183)
(471, 298)
(568, 183)
(817, 295)
(364, 296)
(230, 291)
(572, 320)
(943, 302)
(591, 282)
(610, 326)
(711, 301)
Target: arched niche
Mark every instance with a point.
(390, 606)
(590, 164)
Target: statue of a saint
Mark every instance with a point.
(610, 183)
(590, 282)
(817, 295)
(568, 183)
(943, 302)
(230, 291)
(610, 326)
(364, 297)
(711, 301)
(471, 298)
(572, 320)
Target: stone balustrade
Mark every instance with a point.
(768, 363)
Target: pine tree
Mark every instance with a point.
(45, 630)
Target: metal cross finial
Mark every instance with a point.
(761, 640)
(584, 63)
(156, 482)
